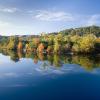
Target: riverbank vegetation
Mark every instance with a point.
(78, 40)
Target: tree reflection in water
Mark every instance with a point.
(87, 61)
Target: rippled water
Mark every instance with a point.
(26, 76)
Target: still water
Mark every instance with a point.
(26, 76)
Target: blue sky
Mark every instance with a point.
(18, 17)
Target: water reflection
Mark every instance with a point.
(86, 61)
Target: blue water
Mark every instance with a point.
(26, 80)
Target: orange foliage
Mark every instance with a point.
(41, 48)
(20, 46)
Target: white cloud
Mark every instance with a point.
(94, 20)
(8, 10)
(44, 15)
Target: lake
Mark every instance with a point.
(27, 76)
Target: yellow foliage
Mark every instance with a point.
(87, 43)
(97, 40)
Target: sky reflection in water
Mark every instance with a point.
(26, 74)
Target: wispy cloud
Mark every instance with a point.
(94, 19)
(43, 20)
(45, 15)
(9, 10)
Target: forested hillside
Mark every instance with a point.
(78, 40)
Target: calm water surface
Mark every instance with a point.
(26, 76)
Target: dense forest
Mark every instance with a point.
(79, 40)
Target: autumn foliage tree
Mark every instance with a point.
(20, 46)
(41, 48)
(85, 44)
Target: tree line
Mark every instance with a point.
(78, 40)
